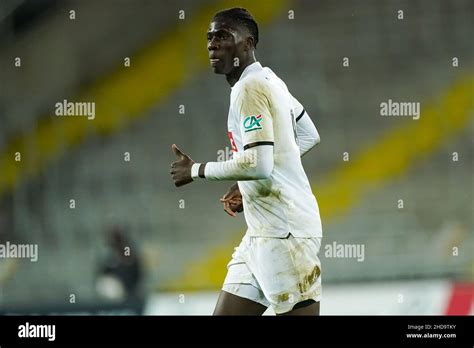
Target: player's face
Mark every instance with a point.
(224, 44)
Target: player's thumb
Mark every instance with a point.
(177, 151)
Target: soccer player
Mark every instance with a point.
(277, 263)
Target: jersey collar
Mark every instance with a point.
(254, 67)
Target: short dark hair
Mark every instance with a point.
(242, 17)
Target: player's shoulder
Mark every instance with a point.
(260, 82)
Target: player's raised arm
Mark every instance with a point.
(181, 169)
(255, 126)
(253, 164)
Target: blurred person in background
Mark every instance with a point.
(120, 273)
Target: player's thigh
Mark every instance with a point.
(308, 307)
(230, 304)
(287, 270)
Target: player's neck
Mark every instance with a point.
(235, 74)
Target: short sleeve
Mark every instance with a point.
(255, 118)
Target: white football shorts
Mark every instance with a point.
(276, 272)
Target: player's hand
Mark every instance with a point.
(181, 169)
(232, 201)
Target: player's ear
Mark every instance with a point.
(249, 43)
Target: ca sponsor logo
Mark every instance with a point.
(252, 123)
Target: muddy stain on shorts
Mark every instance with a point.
(283, 297)
(309, 279)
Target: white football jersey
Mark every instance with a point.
(263, 112)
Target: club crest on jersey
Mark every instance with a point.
(252, 123)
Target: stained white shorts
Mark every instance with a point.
(276, 272)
